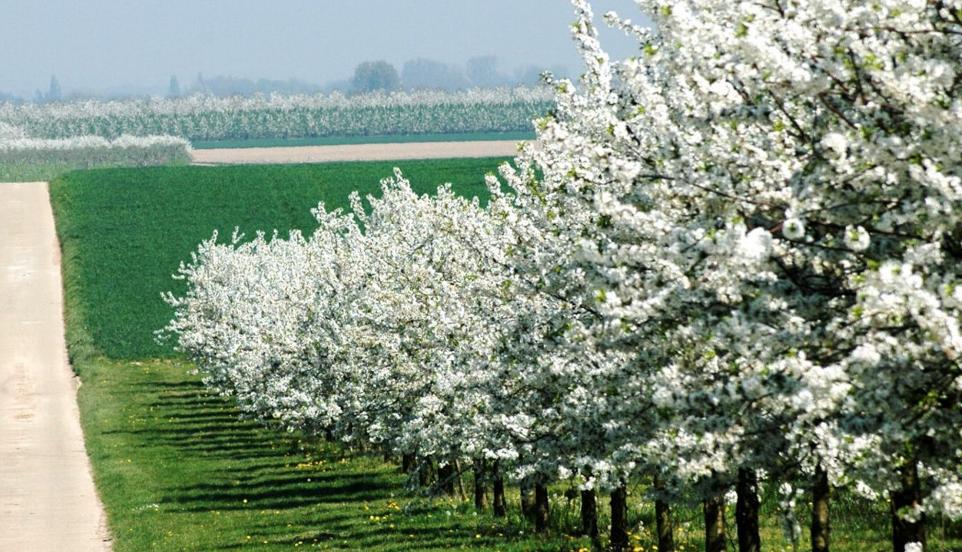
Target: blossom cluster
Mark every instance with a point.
(737, 251)
(201, 117)
(372, 327)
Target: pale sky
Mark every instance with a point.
(103, 44)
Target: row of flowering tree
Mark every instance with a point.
(200, 117)
(23, 158)
(734, 258)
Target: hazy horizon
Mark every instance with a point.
(104, 45)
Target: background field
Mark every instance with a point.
(350, 140)
(125, 231)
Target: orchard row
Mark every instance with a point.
(734, 258)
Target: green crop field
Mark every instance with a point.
(350, 140)
(125, 231)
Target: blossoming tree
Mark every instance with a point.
(730, 259)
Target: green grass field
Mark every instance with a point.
(125, 231)
(178, 469)
(382, 139)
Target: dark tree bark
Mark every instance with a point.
(907, 498)
(821, 522)
(714, 508)
(540, 508)
(459, 479)
(527, 501)
(746, 512)
(446, 477)
(407, 463)
(500, 504)
(480, 485)
(619, 519)
(425, 471)
(589, 514)
(664, 527)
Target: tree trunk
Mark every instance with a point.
(664, 527)
(904, 501)
(425, 467)
(500, 504)
(589, 514)
(527, 501)
(746, 512)
(619, 519)
(821, 522)
(480, 486)
(446, 478)
(541, 508)
(459, 479)
(407, 463)
(714, 508)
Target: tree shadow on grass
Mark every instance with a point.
(246, 497)
(168, 385)
(195, 423)
(236, 467)
(366, 534)
(383, 537)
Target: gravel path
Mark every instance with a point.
(357, 152)
(47, 496)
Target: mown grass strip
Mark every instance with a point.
(177, 469)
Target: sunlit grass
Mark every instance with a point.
(179, 470)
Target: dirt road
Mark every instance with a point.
(47, 496)
(357, 152)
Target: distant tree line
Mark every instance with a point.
(369, 76)
(380, 75)
(428, 74)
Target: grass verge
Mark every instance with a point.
(10, 172)
(177, 469)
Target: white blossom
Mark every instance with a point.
(793, 228)
(857, 238)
